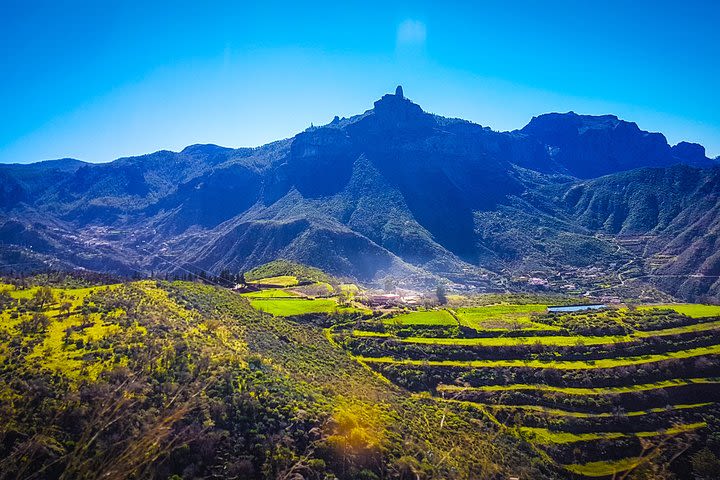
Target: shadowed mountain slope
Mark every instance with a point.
(392, 193)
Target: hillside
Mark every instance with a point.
(181, 380)
(394, 194)
(184, 380)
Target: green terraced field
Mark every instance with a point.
(287, 307)
(556, 340)
(502, 317)
(697, 327)
(556, 364)
(586, 391)
(567, 413)
(487, 407)
(429, 317)
(604, 468)
(282, 281)
(366, 334)
(695, 310)
(543, 436)
(552, 330)
(270, 293)
(546, 436)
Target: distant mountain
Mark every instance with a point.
(675, 210)
(591, 146)
(394, 194)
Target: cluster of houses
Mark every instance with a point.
(401, 297)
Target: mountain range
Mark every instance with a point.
(395, 195)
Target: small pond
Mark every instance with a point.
(575, 308)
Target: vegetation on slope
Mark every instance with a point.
(287, 268)
(598, 392)
(183, 380)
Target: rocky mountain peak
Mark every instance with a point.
(396, 111)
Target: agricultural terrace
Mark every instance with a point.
(290, 296)
(279, 281)
(693, 310)
(614, 380)
(429, 317)
(501, 317)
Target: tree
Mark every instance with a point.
(65, 307)
(36, 324)
(6, 299)
(44, 296)
(705, 464)
(343, 297)
(441, 295)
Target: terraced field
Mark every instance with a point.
(288, 307)
(286, 298)
(596, 392)
(501, 317)
(278, 281)
(694, 310)
(429, 317)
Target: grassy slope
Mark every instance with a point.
(271, 293)
(80, 354)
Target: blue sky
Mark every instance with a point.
(98, 80)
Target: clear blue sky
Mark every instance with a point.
(97, 80)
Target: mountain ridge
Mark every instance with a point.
(393, 193)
